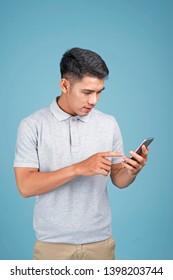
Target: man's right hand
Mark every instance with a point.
(97, 164)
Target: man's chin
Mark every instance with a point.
(83, 114)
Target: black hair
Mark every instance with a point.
(77, 63)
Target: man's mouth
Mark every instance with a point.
(88, 109)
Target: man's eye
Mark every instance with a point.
(86, 92)
(90, 92)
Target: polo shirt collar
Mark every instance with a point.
(62, 115)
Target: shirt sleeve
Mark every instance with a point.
(26, 154)
(117, 143)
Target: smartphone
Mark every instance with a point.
(145, 142)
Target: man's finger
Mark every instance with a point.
(144, 151)
(111, 154)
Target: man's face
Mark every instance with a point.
(80, 97)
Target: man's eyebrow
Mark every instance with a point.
(91, 90)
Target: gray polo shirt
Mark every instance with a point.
(79, 211)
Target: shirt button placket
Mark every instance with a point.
(74, 135)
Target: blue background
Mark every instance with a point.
(135, 38)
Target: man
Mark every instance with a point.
(64, 156)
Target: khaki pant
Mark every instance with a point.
(103, 250)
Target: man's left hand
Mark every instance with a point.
(136, 162)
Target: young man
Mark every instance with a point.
(64, 156)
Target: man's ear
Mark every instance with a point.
(64, 85)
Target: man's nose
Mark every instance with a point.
(93, 98)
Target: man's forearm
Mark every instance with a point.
(122, 178)
(32, 183)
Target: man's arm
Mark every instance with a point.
(31, 182)
(124, 173)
